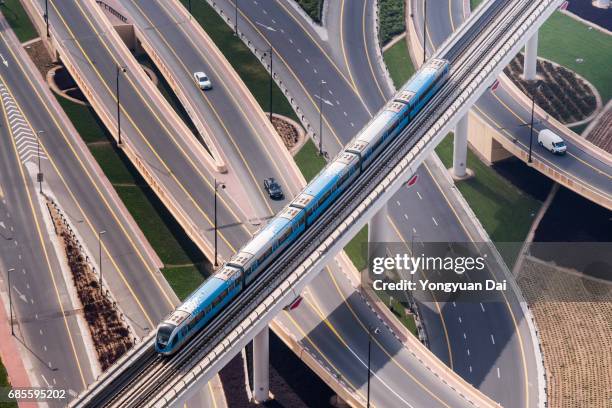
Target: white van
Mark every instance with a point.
(551, 141)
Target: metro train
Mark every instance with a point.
(237, 273)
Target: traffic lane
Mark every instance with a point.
(98, 214)
(347, 361)
(307, 64)
(37, 285)
(217, 107)
(349, 317)
(514, 117)
(359, 42)
(175, 168)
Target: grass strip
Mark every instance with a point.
(391, 19)
(313, 8)
(248, 67)
(165, 235)
(18, 19)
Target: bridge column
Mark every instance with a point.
(460, 170)
(378, 225)
(531, 58)
(261, 360)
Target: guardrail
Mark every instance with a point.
(112, 10)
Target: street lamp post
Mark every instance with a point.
(533, 91)
(271, 80)
(236, 17)
(100, 233)
(370, 331)
(321, 117)
(10, 299)
(39, 176)
(47, 16)
(424, 31)
(117, 73)
(217, 185)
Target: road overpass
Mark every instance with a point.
(483, 58)
(306, 54)
(585, 169)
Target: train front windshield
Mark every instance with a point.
(163, 334)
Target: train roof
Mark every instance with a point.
(424, 76)
(378, 125)
(330, 173)
(208, 290)
(265, 235)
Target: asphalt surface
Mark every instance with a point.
(341, 124)
(423, 212)
(71, 177)
(145, 126)
(502, 111)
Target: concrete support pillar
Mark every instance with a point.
(460, 148)
(379, 225)
(531, 58)
(261, 360)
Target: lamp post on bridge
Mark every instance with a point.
(217, 185)
(118, 71)
(371, 331)
(321, 116)
(535, 88)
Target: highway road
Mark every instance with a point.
(306, 60)
(502, 110)
(95, 46)
(77, 184)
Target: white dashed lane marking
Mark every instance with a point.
(492, 339)
(24, 136)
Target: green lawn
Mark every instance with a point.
(399, 63)
(4, 385)
(165, 235)
(18, 20)
(563, 40)
(505, 211)
(313, 8)
(475, 3)
(391, 19)
(356, 249)
(240, 57)
(309, 161)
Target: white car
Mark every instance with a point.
(202, 80)
(551, 141)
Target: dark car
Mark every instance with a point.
(273, 188)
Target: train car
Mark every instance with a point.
(275, 236)
(324, 189)
(214, 294)
(199, 308)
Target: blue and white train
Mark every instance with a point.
(236, 274)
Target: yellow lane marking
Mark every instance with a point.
(212, 394)
(43, 246)
(236, 103)
(450, 14)
(315, 306)
(299, 23)
(312, 343)
(365, 45)
(442, 320)
(168, 132)
(78, 158)
(308, 95)
(569, 152)
(348, 67)
(516, 328)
